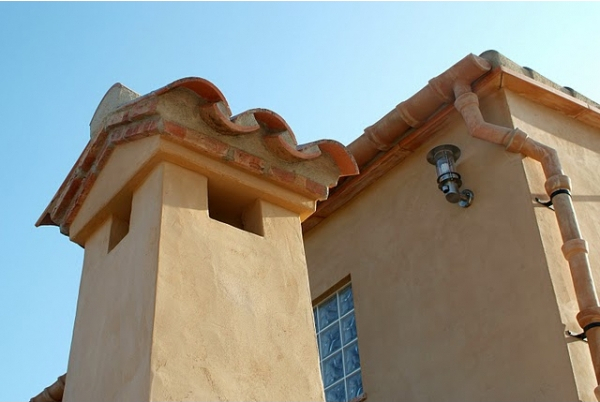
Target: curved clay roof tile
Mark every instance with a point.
(121, 119)
(279, 137)
(200, 86)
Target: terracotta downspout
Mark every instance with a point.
(558, 188)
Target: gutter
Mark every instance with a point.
(413, 112)
(387, 141)
(558, 188)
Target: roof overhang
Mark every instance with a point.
(399, 133)
(193, 113)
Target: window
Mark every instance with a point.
(338, 347)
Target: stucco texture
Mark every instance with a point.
(578, 148)
(175, 305)
(233, 315)
(451, 304)
(112, 336)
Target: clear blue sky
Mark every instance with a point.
(330, 69)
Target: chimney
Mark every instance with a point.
(194, 282)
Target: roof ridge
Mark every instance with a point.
(497, 59)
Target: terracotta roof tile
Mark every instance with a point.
(497, 59)
(273, 153)
(389, 140)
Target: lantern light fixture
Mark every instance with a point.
(444, 157)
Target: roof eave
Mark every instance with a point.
(389, 141)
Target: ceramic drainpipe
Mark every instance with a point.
(558, 188)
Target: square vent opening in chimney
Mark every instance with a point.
(121, 216)
(234, 205)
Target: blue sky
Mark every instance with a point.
(330, 69)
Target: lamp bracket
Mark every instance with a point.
(466, 198)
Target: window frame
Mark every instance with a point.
(342, 316)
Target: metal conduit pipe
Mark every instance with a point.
(558, 188)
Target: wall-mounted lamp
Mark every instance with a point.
(444, 157)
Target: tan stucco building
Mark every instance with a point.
(225, 262)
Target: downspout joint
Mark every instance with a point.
(573, 246)
(588, 315)
(517, 139)
(557, 182)
(465, 100)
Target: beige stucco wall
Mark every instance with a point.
(233, 312)
(578, 147)
(185, 307)
(110, 350)
(451, 304)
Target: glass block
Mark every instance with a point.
(351, 357)
(328, 312)
(316, 320)
(333, 369)
(354, 385)
(348, 328)
(346, 300)
(330, 341)
(337, 393)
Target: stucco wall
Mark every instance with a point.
(233, 313)
(451, 304)
(578, 147)
(185, 307)
(110, 351)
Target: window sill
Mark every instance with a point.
(360, 398)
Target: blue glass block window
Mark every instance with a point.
(338, 347)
